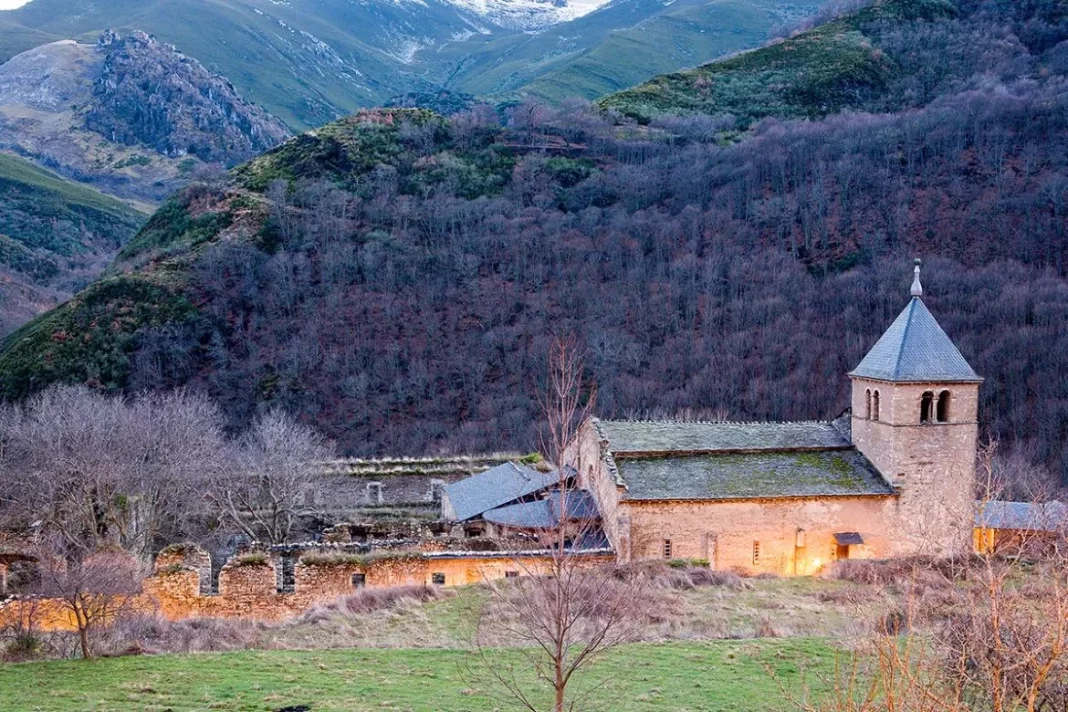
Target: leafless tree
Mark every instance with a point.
(569, 607)
(94, 591)
(273, 481)
(98, 471)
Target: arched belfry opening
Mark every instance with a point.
(875, 405)
(867, 409)
(926, 407)
(942, 409)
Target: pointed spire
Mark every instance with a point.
(917, 288)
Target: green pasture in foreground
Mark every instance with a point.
(718, 675)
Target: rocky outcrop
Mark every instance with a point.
(129, 115)
(149, 94)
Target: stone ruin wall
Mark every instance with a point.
(248, 584)
(367, 487)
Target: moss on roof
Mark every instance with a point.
(752, 475)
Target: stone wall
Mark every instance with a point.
(587, 454)
(188, 555)
(933, 464)
(248, 590)
(248, 583)
(794, 536)
(366, 489)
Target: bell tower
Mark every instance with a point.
(915, 405)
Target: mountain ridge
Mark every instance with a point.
(309, 63)
(129, 115)
(397, 276)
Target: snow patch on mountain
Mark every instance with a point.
(529, 14)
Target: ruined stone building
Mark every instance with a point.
(894, 475)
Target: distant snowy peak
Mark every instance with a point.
(529, 14)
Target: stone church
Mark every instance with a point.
(894, 475)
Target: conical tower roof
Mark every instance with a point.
(915, 349)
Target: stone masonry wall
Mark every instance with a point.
(724, 532)
(933, 464)
(248, 585)
(587, 457)
(189, 555)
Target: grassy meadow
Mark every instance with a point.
(680, 676)
(735, 646)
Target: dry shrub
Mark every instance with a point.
(849, 595)
(370, 600)
(691, 577)
(906, 571)
(764, 629)
(151, 635)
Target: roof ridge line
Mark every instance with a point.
(818, 421)
(904, 338)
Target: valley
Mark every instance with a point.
(310, 63)
(56, 236)
(534, 354)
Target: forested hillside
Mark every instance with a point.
(55, 237)
(886, 56)
(396, 277)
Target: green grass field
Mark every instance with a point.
(707, 676)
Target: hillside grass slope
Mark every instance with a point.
(55, 236)
(310, 63)
(831, 67)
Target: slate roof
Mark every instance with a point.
(1021, 516)
(915, 349)
(495, 488)
(545, 513)
(748, 475)
(848, 538)
(580, 505)
(525, 515)
(649, 437)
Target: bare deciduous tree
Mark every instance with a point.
(94, 591)
(570, 607)
(273, 481)
(99, 471)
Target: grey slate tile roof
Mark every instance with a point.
(494, 488)
(545, 513)
(915, 348)
(636, 436)
(525, 515)
(726, 476)
(580, 505)
(1022, 516)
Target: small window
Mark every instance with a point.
(756, 553)
(438, 579)
(867, 407)
(374, 492)
(437, 487)
(926, 401)
(942, 412)
(511, 574)
(359, 580)
(875, 405)
(667, 548)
